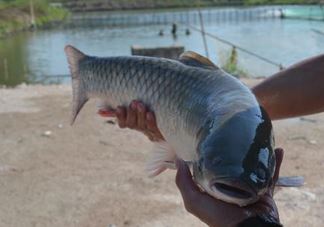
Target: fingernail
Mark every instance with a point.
(134, 105)
(140, 107)
(149, 116)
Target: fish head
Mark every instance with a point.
(236, 159)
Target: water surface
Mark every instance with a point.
(39, 56)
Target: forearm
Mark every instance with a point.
(295, 91)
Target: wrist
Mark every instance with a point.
(260, 221)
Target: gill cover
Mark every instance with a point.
(241, 148)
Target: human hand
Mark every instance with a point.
(136, 116)
(217, 213)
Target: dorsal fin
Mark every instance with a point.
(196, 60)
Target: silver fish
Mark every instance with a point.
(207, 117)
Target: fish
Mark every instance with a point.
(208, 117)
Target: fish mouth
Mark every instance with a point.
(234, 189)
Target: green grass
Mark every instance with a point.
(231, 65)
(279, 2)
(13, 14)
(193, 3)
(50, 14)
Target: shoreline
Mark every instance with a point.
(20, 17)
(16, 19)
(82, 7)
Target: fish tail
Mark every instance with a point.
(74, 57)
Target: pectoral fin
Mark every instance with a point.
(161, 156)
(295, 181)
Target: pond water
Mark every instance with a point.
(39, 57)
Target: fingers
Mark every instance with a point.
(131, 119)
(107, 112)
(141, 116)
(151, 122)
(152, 127)
(121, 114)
(136, 116)
(189, 190)
(184, 180)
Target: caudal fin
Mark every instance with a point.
(74, 56)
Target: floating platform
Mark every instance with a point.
(172, 52)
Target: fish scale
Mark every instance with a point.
(142, 84)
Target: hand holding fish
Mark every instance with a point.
(216, 213)
(135, 116)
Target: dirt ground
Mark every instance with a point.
(92, 174)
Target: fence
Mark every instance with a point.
(214, 15)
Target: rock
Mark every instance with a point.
(5, 169)
(312, 142)
(60, 126)
(112, 122)
(47, 133)
(104, 143)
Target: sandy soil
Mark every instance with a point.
(92, 174)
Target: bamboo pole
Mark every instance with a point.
(202, 27)
(32, 14)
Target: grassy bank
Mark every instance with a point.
(96, 5)
(16, 15)
(280, 2)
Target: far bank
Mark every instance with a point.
(19, 15)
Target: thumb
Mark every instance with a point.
(188, 188)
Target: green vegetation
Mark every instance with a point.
(136, 4)
(231, 65)
(15, 15)
(279, 2)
